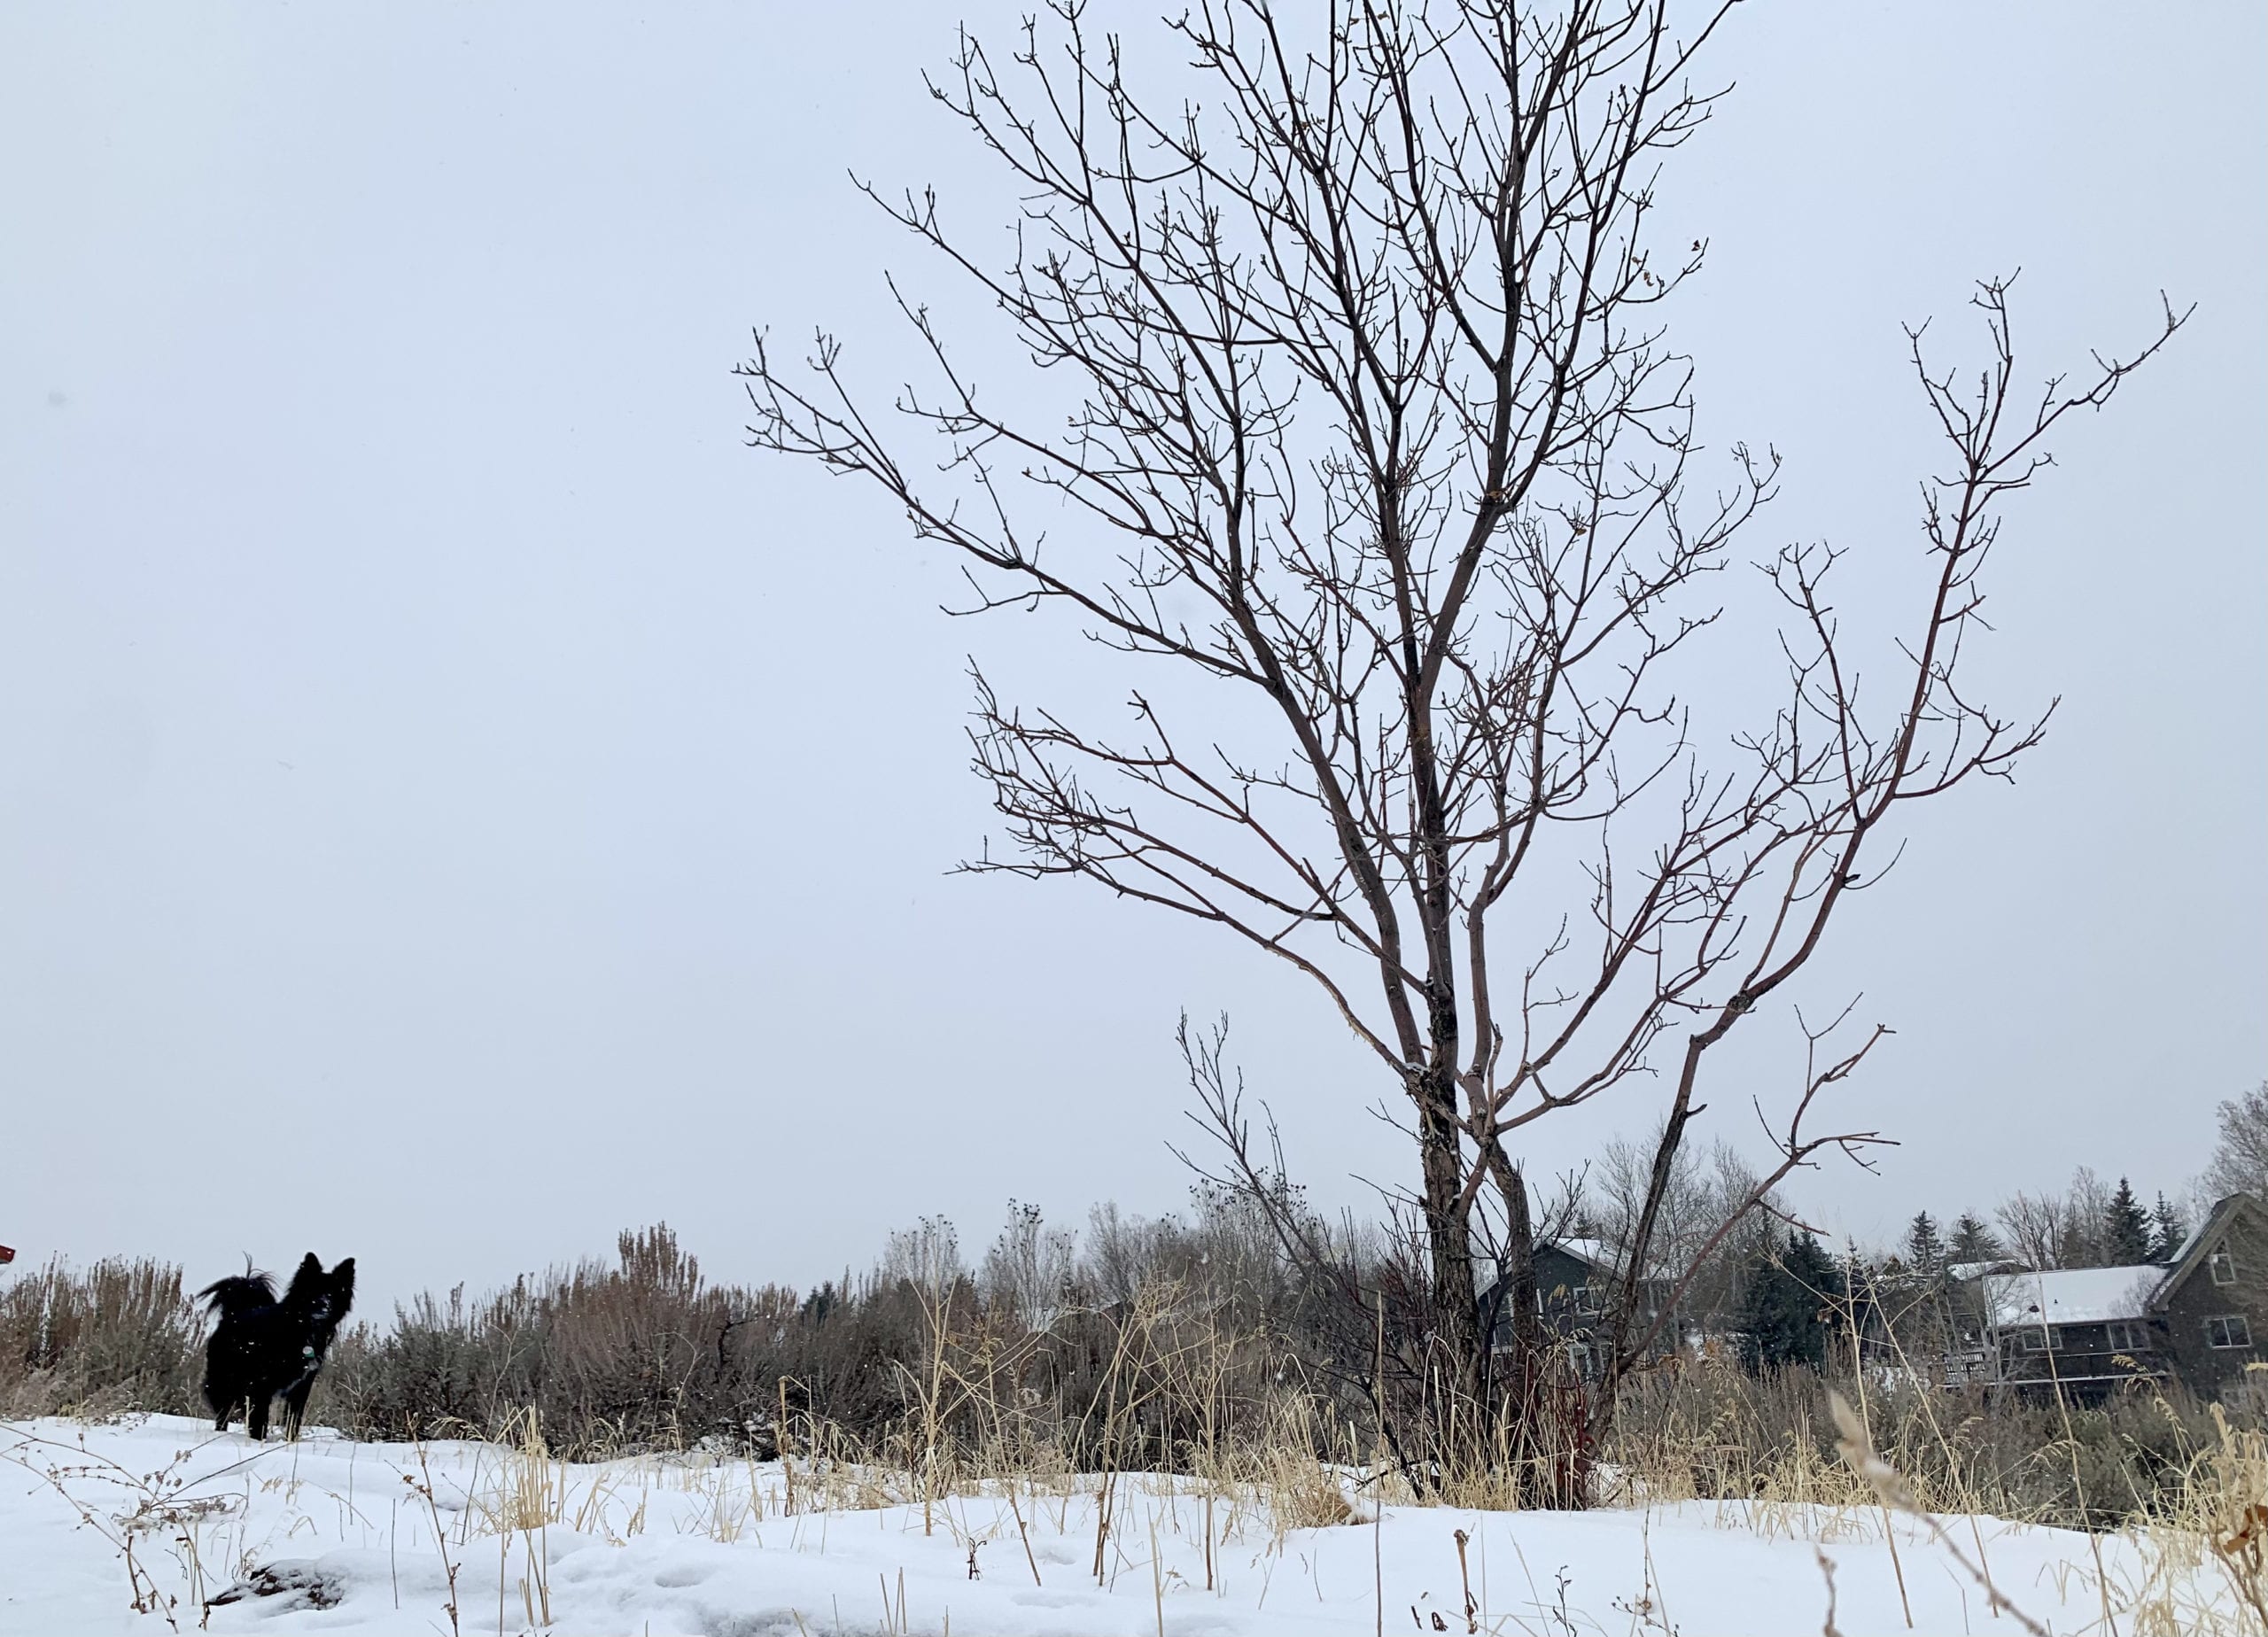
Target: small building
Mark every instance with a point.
(1575, 1280)
(2085, 1329)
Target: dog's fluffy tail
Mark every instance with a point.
(239, 1294)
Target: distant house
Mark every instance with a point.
(2194, 1319)
(1574, 1283)
(2085, 1328)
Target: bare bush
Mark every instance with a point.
(121, 1335)
(636, 1354)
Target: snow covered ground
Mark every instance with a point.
(333, 1535)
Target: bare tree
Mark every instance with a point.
(2038, 1229)
(927, 1256)
(1373, 451)
(1030, 1270)
(2240, 1163)
(2070, 1230)
(1704, 1191)
(2086, 1209)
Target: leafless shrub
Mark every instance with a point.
(121, 1335)
(642, 1353)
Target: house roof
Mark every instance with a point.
(1599, 1260)
(1597, 1255)
(2071, 1295)
(1593, 1253)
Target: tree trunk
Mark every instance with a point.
(1518, 1271)
(1548, 1435)
(1456, 1316)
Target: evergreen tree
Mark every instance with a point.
(1925, 1253)
(2126, 1229)
(1789, 1303)
(2169, 1231)
(1972, 1240)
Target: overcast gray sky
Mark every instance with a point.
(456, 802)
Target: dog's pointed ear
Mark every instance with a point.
(311, 1263)
(342, 1279)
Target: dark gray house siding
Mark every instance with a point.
(1574, 1283)
(2214, 1302)
(2086, 1356)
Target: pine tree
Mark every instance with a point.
(2170, 1232)
(2126, 1229)
(1925, 1252)
(1784, 1311)
(1972, 1240)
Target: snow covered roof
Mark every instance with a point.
(1592, 1252)
(2071, 1295)
(1596, 1254)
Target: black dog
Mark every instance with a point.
(263, 1347)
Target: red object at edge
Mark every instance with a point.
(7, 1254)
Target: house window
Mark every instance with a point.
(2228, 1331)
(2038, 1339)
(2223, 1264)
(1585, 1302)
(2129, 1335)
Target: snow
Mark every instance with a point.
(1594, 1252)
(2071, 1295)
(333, 1535)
